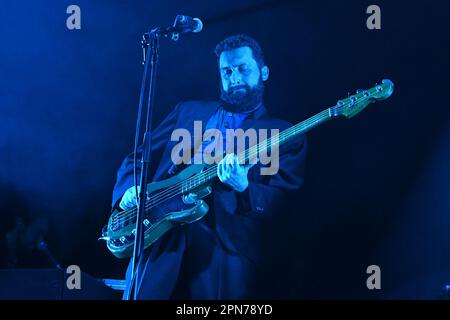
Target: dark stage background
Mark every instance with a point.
(377, 186)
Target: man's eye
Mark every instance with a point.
(227, 72)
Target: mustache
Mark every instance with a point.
(238, 87)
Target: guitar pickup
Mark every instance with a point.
(195, 196)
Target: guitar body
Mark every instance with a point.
(162, 216)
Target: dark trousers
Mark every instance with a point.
(190, 262)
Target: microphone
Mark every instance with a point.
(187, 24)
(184, 24)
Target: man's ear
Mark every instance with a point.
(265, 73)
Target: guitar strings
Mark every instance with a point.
(205, 175)
(167, 194)
(211, 171)
(160, 198)
(251, 152)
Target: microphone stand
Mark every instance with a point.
(150, 45)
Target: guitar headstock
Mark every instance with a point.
(354, 104)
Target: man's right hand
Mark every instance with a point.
(129, 199)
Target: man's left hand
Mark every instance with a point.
(232, 173)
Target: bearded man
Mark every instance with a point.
(220, 256)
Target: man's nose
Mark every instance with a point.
(235, 79)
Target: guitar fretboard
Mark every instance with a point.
(266, 145)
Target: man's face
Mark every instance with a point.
(238, 69)
(242, 86)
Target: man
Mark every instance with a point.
(221, 255)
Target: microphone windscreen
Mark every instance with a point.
(199, 25)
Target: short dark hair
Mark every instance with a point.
(238, 41)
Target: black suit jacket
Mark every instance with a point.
(241, 219)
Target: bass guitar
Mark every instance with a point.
(177, 200)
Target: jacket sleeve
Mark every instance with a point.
(161, 135)
(265, 194)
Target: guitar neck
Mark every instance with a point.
(287, 135)
(248, 154)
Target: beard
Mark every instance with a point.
(242, 98)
